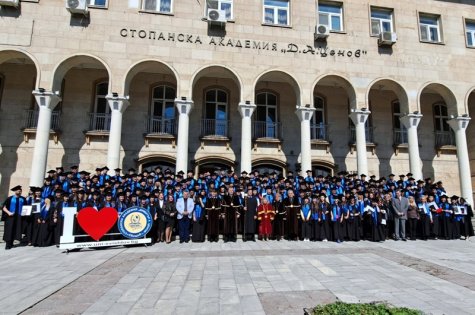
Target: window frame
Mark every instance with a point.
(323, 110)
(438, 18)
(96, 96)
(164, 100)
(276, 15)
(341, 15)
(171, 12)
(96, 6)
(472, 32)
(276, 107)
(231, 18)
(381, 20)
(441, 118)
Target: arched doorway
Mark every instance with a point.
(323, 168)
(151, 162)
(270, 166)
(212, 164)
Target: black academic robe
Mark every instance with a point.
(56, 228)
(250, 216)
(468, 231)
(199, 226)
(12, 227)
(213, 210)
(292, 207)
(278, 223)
(230, 206)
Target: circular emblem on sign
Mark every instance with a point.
(135, 222)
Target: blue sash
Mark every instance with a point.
(16, 204)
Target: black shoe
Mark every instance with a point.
(404, 239)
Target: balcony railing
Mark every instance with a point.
(444, 138)
(31, 119)
(262, 129)
(319, 132)
(215, 128)
(400, 136)
(369, 135)
(99, 122)
(157, 125)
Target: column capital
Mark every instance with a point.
(304, 113)
(46, 99)
(359, 116)
(119, 103)
(459, 123)
(411, 120)
(184, 106)
(246, 109)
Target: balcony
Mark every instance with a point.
(215, 130)
(267, 133)
(369, 135)
(99, 126)
(445, 141)
(30, 124)
(161, 129)
(319, 136)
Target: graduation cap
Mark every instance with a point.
(131, 170)
(363, 175)
(74, 167)
(409, 175)
(391, 175)
(181, 173)
(98, 169)
(105, 168)
(18, 187)
(60, 168)
(117, 169)
(428, 179)
(47, 179)
(454, 197)
(51, 172)
(402, 175)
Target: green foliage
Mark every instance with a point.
(340, 308)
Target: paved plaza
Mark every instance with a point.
(272, 277)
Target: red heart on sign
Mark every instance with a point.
(97, 223)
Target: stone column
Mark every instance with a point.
(184, 108)
(246, 110)
(459, 125)
(359, 118)
(305, 115)
(411, 121)
(117, 104)
(46, 101)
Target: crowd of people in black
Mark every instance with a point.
(346, 207)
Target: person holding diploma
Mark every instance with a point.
(11, 214)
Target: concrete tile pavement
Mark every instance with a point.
(238, 278)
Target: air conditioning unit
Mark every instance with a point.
(10, 3)
(387, 38)
(77, 6)
(216, 16)
(321, 31)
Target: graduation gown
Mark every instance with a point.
(13, 228)
(213, 210)
(468, 231)
(292, 207)
(265, 215)
(321, 221)
(278, 224)
(199, 222)
(250, 214)
(230, 206)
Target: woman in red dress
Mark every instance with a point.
(265, 215)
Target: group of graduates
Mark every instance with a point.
(346, 207)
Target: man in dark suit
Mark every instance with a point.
(400, 204)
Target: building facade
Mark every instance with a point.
(376, 87)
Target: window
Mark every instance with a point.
(97, 3)
(399, 131)
(266, 124)
(470, 31)
(443, 134)
(225, 5)
(162, 110)
(381, 20)
(276, 12)
(216, 118)
(430, 28)
(319, 128)
(162, 6)
(100, 117)
(331, 15)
